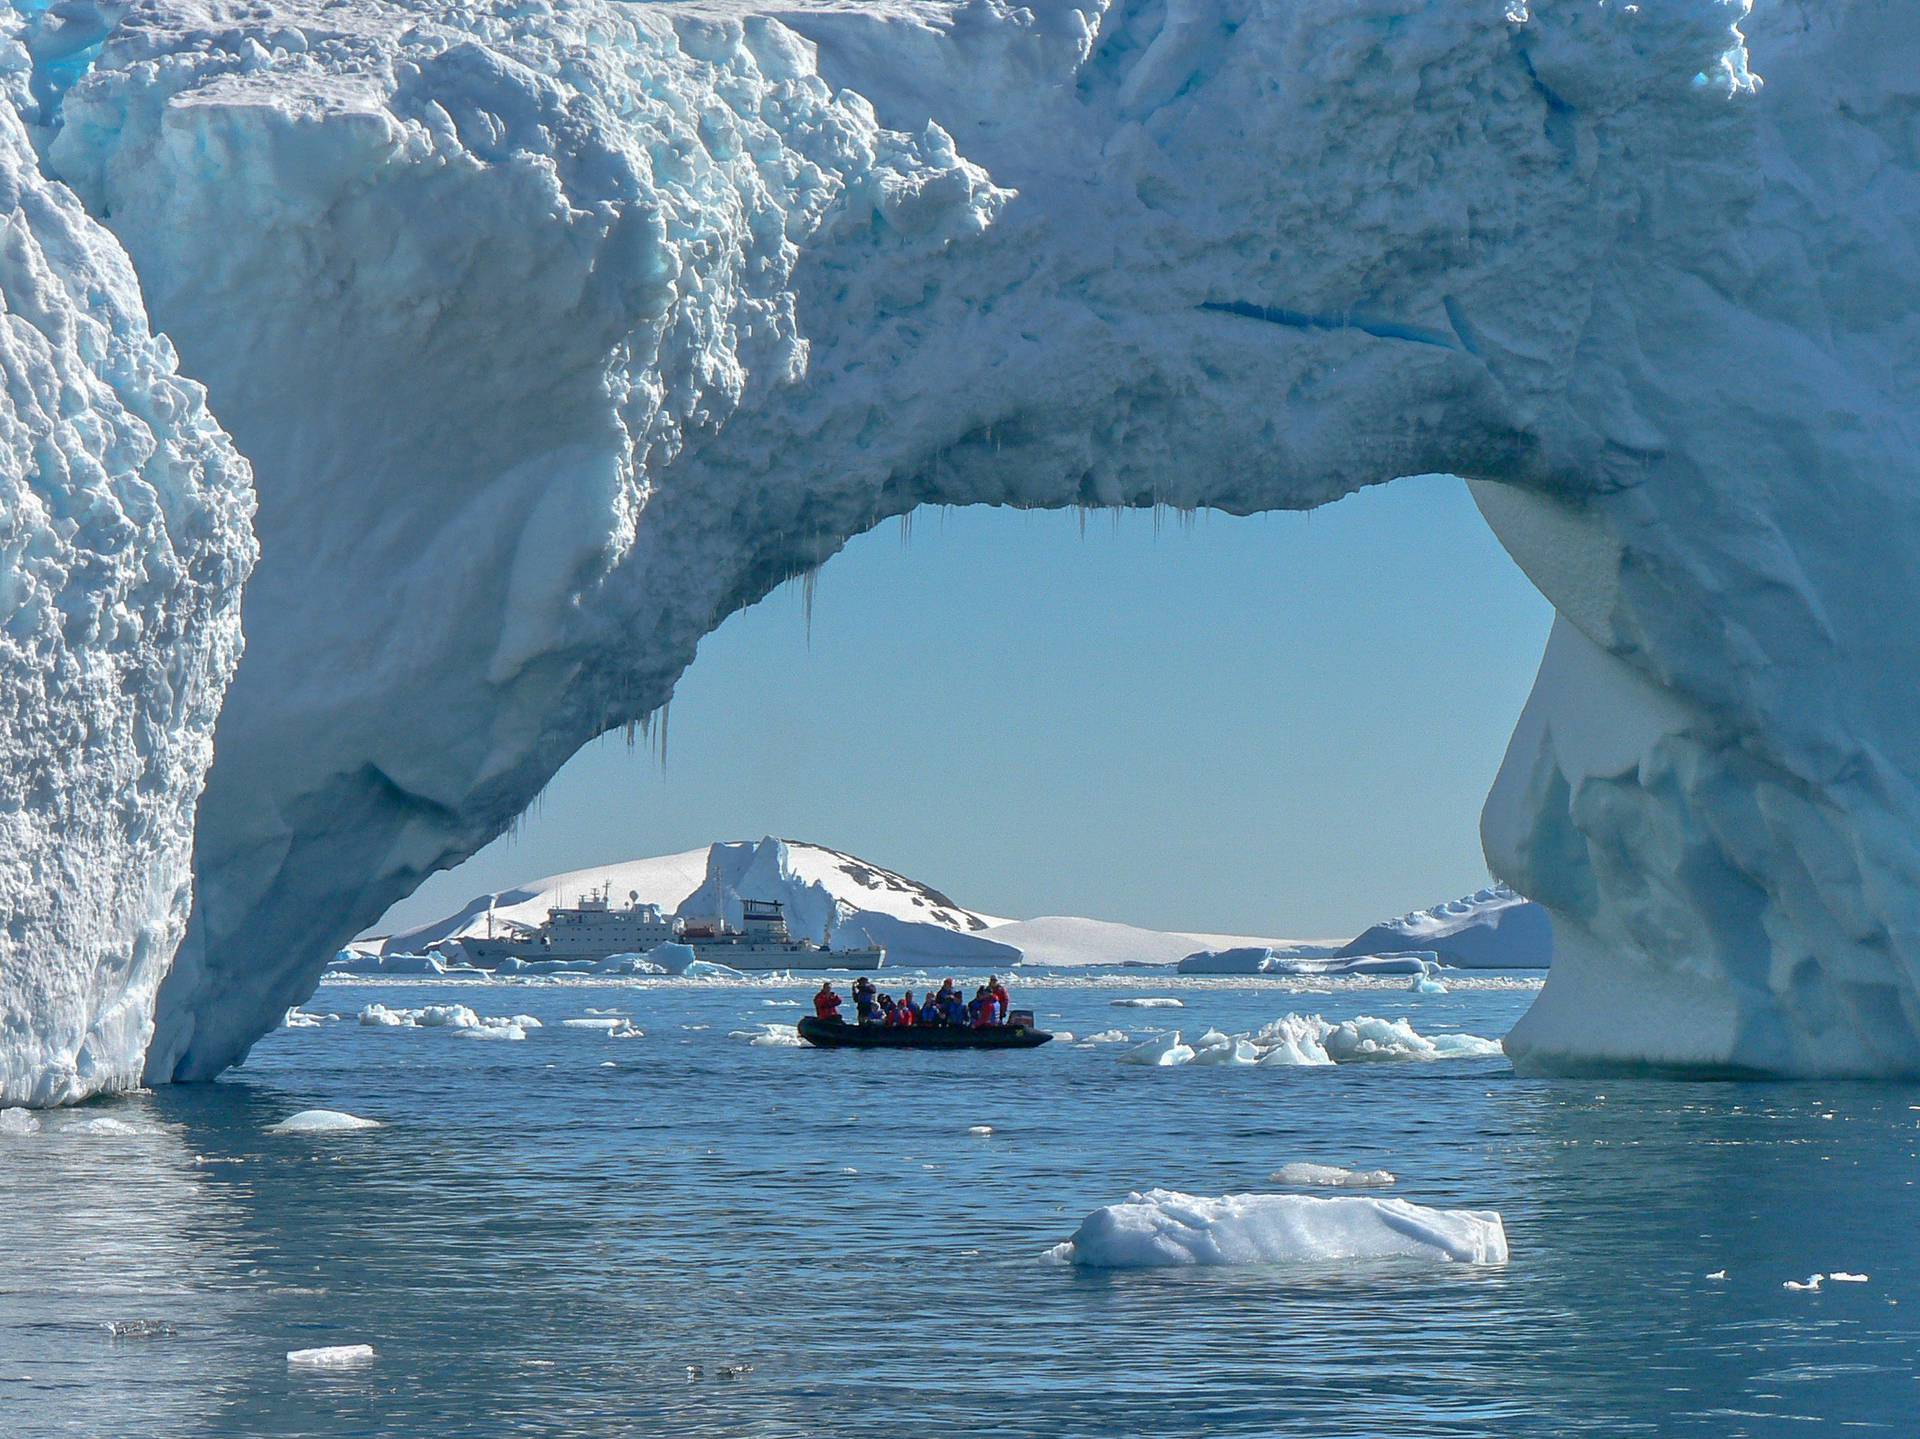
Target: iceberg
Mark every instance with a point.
(555, 334)
(1247, 959)
(1493, 928)
(124, 540)
(1163, 1227)
(1304, 1172)
(322, 1121)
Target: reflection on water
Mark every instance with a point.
(547, 1234)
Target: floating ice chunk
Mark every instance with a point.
(626, 1029)
(1369, 1038)
(1840, 1276)
(18, 1121)
(1108, 1036)
(335, 1356)
(1812, 1283)
(379, 1016)
(298, 1018)
(491, 1029)
(1330, 1176)
(322, 1121)
(600, 1023)
(106, 1124)
(1426, 984)
(1151, 1001)
(1164, 1227)
(140, 1329)
(1234, 1051)
(778, 1036)
(1161, 1051)
(627, 964)
(1294, 1039)
(980, 1130)
(1061, 1036)
(1718, 1274)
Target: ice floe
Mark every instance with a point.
(771, 1036)
(1840, 1276)
(455, 1017)
(1150, 1002)
(1162, 1051)
(1307, 1039)
(1302, 1172)
(333, 1356)
(18, 1121)
(1163, 1227)
(1108, 1036)
(322, 1121)
(1811, 1283)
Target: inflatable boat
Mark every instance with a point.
(837, 1034)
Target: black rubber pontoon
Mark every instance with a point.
(835, 1034)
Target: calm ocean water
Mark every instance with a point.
(548, 1233)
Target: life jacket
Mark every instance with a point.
(904, 1016)
(826, 1006)
(999, 993)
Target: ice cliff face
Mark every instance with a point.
(557, 331)
(124, 540)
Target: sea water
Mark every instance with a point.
(687, 1234)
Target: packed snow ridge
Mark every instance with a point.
(556, 333)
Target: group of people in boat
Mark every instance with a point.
(943, 1008)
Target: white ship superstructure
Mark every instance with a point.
(762, 943)
(592, 929)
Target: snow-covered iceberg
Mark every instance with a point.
(1493, 928)
(557, 333)
(1163, 1227)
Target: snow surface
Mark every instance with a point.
(1493, 928)
(1065, 940)
(557, 333)
(1163, 1227)
(124, 540)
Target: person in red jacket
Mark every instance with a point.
(826, 1004)
(905, 1013)
(999, 992)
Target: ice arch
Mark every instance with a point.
(556, 332)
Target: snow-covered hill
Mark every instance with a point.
(823, 891)
(1493, 928)
(1068, 939)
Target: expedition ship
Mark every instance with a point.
(593, 930)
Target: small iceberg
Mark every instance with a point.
(333, 1356)
(1150, 1001)
(18, 1121)
(1248, 959)
(1330, 1176)
(1161, 1052)
(1164, 1227)
(322, 1121)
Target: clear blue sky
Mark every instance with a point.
(1281, 725)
